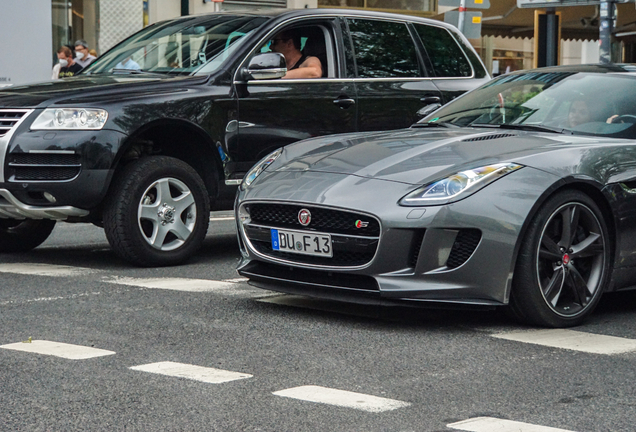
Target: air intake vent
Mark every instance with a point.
(465, 244)
(8, 119)
(489, 137)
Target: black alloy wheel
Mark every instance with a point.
(563, 264)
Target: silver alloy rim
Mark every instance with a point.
(570, 259)
(167, 214)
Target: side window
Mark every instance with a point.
(447, 57)
(383, 49)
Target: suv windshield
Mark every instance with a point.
(188, 46)
(579, 103)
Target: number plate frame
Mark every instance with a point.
(304, 242)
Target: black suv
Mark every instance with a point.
(162, 128)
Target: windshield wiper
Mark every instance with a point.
(435, 124)
(135, 72)
(527, 127)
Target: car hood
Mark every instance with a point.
(416, 156)
(89, 89)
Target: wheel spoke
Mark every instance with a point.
(159, 233)
(184, 201)
(550, 246)
(587, 247)
(180, 230)
(163, 192)
(570, 221)
(149, 211)
(553, 291)
(578, 285)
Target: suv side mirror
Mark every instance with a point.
(266, 66)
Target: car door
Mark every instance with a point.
(456, 69)
(390, 77)
(274, 113)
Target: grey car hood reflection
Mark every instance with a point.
(415, 156)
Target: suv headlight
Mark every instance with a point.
(458, 185)
(70, 119)
(259, 168)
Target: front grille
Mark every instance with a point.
(8, 119)
(489, 137)
(351, 246)
(465, 244)
(323, 220)
(43, 166)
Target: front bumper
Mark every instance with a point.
(12, 208)
(461, 253)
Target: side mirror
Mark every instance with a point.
(266, 66)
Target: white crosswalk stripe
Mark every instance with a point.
(192, 372)
(175, 284)
(58, 349)
(572, 340)
(36, 269)
(342, 398)
(490, 424)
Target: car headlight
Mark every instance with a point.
(70, 119)
(458, 185)
(259, 168)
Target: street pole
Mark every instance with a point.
(606, 26)
(462, 15)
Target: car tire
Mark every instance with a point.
(562, 268)
(23, 235)
(157, 212)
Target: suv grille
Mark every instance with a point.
(8, 119)
(43, 166)
(352, 246)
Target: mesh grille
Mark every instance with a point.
(489, 137)
(465, 244)
(45, 173)
(351, 246)
(43, 159)
(8, 119)
(323, 220)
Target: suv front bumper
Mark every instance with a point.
(12, 208)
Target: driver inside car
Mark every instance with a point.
(299, 65)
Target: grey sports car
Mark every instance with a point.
(521, 193)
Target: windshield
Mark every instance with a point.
(578, 103)
(189, 46)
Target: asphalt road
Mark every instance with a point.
(286, 363)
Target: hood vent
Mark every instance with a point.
(489, 137)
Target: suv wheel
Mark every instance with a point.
(23, 235)
(157, 212)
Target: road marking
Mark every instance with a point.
(489, 424)
(38, 269)
(175, 284)
(572, 340)
(45, 299)
(192, 372)
(224, 218)
(236, 280)
(342, 398)
(58, 349)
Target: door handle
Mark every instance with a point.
(344, 102)
(430, 99)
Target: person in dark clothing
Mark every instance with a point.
(68, 66)
(298, 65)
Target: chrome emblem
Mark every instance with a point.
(361, 224)
(304, 217)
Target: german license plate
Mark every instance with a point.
(302, 242)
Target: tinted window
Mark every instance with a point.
(480, 71)
(383, 49)
(447, 57)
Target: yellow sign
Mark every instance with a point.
(476, 19)
(479, 1)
